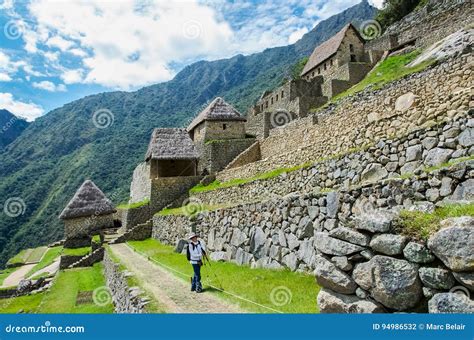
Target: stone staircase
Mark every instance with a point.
(140, 232)
(89, 259)
(111, 235)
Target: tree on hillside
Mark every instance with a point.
(394, 10)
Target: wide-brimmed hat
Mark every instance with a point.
(191, 235)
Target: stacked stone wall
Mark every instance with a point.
(165, 190)
(421, 149)
(140, 187)
(133, 216)
(216, 155)
(126, 299)
(419, 100)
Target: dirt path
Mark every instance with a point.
(170, 291)
(14, 278)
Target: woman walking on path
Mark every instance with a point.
(195, 253)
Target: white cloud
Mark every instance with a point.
(60, 43)
(72, 76)
(4, 77)
(377, 3)
(29, 111)
(296, 35)
(9, 67)
(78, 52)
(130, 43)
(49, 86)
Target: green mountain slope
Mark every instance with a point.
(10, 127)
(57, 152)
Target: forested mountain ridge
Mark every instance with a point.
(57, 152)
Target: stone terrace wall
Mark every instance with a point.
(387, 159)
(133, 216)
(436, 94)
(436, 20)
(126, 299)
(165, 190)
(282, 230)
(170, 229)
(348, 237)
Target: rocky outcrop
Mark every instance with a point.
(454, 244)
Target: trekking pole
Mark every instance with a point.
(212, 271)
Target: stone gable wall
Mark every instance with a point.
(140, 187)
(436, 94)
(165, 190)
(217, 155)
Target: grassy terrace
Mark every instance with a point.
(391, 69)
(76, 251)
(4, 273)
(422, 225)
(133, 205)
(62, 297)
(259, 285)
(28, 256)
(47, 259)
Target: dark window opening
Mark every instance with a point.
(353, 58)
(276, 97)
(351, 47)
(319, 70)
(282, 94)
(224, 126)
(271, 99)
(266, 104)
(325, 67)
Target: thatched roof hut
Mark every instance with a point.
(88, 201)
(218, 110)
(171, 144)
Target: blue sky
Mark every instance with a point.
(52, 52)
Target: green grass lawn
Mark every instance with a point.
(28, 256)
(133, 205)
(47, 259)
(422, 225)
(77, 251)
(27, 303)
(61, 298)
(20, 258)
(253, 284)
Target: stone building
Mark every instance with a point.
(218, 121)
(171, 153)
(292, 100)
(219, 135)
(171, 158)
(342, 61)
(88, 212)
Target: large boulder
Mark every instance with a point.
(378, 221)
(450, 303)
(290, 261)
(392, 282)
(257, 242)
(454, 243)
(238, 238)
(329, 276)
(374, 172)
(436, 278)
(437, 156)
(466, 279)
(350, 235)
(466, 138)
(418, 253)
(332, 246)
(219, 256)
(464, 191)
(388, 244)
(332, 204)
(332, 302)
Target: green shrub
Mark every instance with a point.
(394, 10)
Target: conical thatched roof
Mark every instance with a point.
(171, 144)
(328, 48)
(88, 201)
(217, 110)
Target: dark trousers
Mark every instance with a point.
(197, 276)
